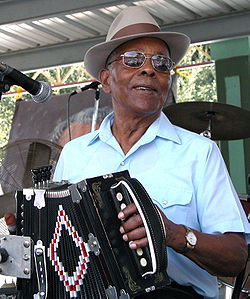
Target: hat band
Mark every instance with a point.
(136, 29)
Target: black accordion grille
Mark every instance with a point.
(44, 225)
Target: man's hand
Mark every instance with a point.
(221, 254)
(132, 228)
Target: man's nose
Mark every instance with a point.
(148, 69)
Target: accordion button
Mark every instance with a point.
(143, 262)
(119, 196)
(123, 206)
(139, 251)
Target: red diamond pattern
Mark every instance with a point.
(71, 283)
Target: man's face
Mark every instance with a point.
(137, 91)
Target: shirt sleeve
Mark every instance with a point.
(58, 174)
(219, 208)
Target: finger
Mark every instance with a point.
(126, 212)
(138, 243)
(135, 234)
(132, 223)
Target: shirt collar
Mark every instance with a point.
(104, 132)
(167, 130)
(161, 127)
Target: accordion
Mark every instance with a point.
(78, 249)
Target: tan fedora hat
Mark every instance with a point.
(133, 22)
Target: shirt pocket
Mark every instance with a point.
(176, 203)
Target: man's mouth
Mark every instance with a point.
(147, 88)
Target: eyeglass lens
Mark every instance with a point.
(137, 59)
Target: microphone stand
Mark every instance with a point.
(93, 85)
(96, 107)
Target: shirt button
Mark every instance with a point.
(122, 163)
(165, 202)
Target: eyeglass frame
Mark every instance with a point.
(146, 56)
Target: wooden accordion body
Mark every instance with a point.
(78, 249)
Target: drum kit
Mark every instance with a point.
(218, 122)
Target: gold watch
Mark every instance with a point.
(191, 239)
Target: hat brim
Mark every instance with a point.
(96, 56)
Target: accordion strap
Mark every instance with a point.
(152, 222)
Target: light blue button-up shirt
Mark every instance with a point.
(184, 175)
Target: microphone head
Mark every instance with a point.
(44, 94)
(94, 84)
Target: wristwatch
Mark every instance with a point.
(191, 239)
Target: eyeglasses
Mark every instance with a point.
(133, 59)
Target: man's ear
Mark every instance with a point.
(104, 78)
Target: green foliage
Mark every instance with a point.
(199, 86)
(7, 108)
(198, 83)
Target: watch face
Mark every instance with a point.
(191, 237)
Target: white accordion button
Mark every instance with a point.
(119, 196)
(143, 262)
(139, 251)
(123, 206)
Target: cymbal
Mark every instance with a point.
(228, 122)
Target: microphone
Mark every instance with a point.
(41, 91)
(92, 85)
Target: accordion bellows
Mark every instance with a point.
(78, 249)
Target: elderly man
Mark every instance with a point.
(183, 172)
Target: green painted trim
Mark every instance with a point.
(237, 165)
(236, 153)
(230, 48)
(232, 86)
